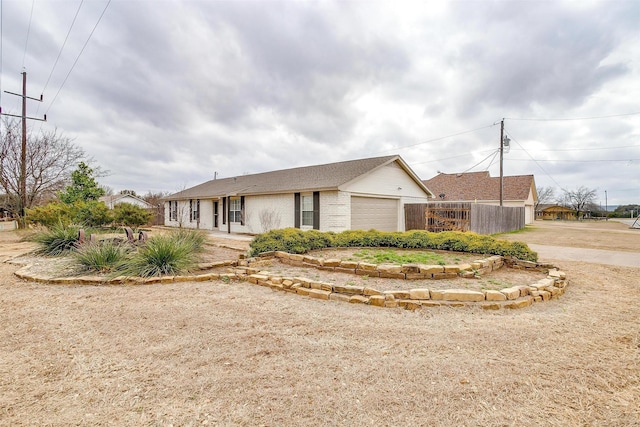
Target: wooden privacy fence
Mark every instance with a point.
(479, 218)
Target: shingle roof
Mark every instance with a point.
(480, 186)
(309, 178)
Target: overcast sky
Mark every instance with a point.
(165, 94)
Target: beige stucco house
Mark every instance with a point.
(480, 187)
(351, 195)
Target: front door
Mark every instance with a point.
(215, 215)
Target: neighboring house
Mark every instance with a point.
(352, 195)
(555, 212)
(480, 187)
(112, 201)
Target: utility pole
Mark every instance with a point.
(606, 206)
(501, 161)
(23, 148)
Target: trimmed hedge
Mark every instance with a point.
(296, 241)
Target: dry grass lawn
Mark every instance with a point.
(211, 353)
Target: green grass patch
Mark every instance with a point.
(380, 256)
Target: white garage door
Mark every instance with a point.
(370, 212)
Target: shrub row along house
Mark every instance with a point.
(352, 195)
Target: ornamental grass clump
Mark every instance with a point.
(105, 256)
(57, 240)
(169, 254)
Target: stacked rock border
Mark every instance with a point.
(250, 270)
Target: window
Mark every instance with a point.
(173, 210)
(194, 209)
(307, 210)
(235, 210)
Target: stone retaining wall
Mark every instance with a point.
(249, 270)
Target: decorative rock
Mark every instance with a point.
(377, 300)
(333, 262)
(452, 269)
(511, 293)
(349, 289)
(430, 304)
(491, 306)
(358, 299)
(410, 268)
(431, 269)
(437, 294)
(521, 303)
(399, 294)
(319, 294)
(419, 294)
(494, 296)
(462, 295)
(366, 266)
(442, 276)
(349, 264)
(371, 291)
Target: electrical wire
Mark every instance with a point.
(435, 139)
(78, 57)
(536, 162)
(28, 32)
(63, 45)
(448, 158)
(481, 161)
(590, 149)
(578, 161)
(571, 118)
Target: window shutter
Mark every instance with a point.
(316, 210)
(241, 210)
(190, 209)
(296, 215)
(224, 210)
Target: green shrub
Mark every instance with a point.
(57, 240)
(103, 256)
(127, 214)
(50, 215)
(90, 214)
(297, 241)
(173, 253)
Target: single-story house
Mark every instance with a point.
(112, 201)
(352, 195)
(555, 212)
(480, 187)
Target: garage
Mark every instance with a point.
(371, 212)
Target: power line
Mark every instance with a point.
(535, 161)
(63, 45)
(589, 149)
(577, 161)
(571, 118)
(28, 31)
(78, 57)
(492, 154)
(436, 139)
(448, 158)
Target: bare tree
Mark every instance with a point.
(50, 159)
(580, 198)
(157, 205)
(546, 195)
(269, 219)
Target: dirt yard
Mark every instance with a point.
(212, 353)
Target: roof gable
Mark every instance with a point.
(329, 176)
(480, 186)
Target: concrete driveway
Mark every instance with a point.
(596, 256)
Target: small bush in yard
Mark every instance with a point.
(127, 214)
(170, 254)
(57, 240)
(103, 257)
(297, 241)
